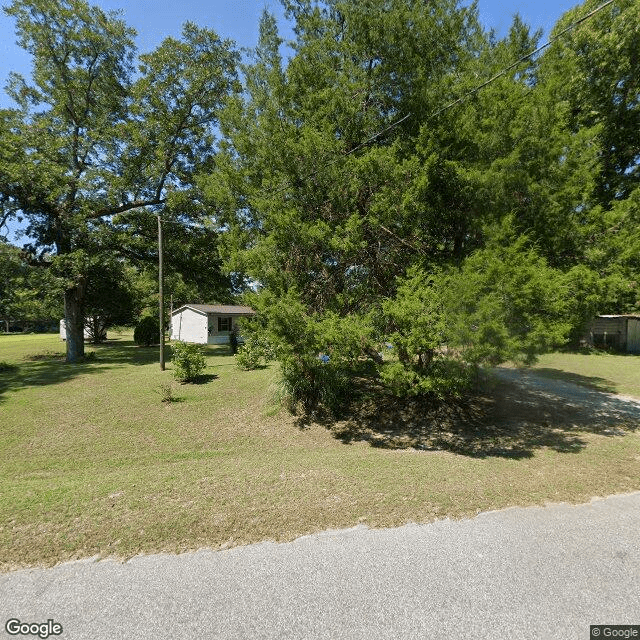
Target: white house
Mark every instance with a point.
(89, 326)
(207, 323)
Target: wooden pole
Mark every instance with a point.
(160, 294)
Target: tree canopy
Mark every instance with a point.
(402, 179)
(95, 144)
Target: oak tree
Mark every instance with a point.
(93, 141)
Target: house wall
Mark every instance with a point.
(219, 337)
(189, 326)
(633, 335)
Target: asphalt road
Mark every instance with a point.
(543, 572)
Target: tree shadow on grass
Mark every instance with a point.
(127, 352)
(591, 382)
(38, 371)
(503, 418)
(203, 379)
(47, 367)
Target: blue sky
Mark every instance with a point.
(238, 20)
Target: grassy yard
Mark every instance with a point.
(93, 463)
(600, 371)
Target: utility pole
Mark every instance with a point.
(161, 294)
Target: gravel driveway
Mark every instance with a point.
(581, 402)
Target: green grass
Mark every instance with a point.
(92, 462)
(601, 371)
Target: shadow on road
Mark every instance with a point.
(591, 382)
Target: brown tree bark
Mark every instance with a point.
(74, 321)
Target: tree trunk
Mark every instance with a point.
(403, 355)
(74, 321)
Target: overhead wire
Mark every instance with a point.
(459, 100)
(519, 61)
(452, 104)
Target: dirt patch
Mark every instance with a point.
(511, 414)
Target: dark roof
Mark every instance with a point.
(223, 309)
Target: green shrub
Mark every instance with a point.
(188, 361)
(166, 392)
(445, 378)
(506, 303)
(147, 332)
(255, 352)
(503, 303)
(313, 383)
(319, 355)
(233, 342)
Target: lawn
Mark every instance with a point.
(93, 463)
(602, 371)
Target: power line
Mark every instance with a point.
(396, 123)
(493, 78)
(452, 104)
(517, 62)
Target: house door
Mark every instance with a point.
(633, 335)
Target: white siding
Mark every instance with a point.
(63, 331)
(189, 326)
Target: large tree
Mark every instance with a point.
(345, 176)
(408, 177)
(309, 202)
(90, 141)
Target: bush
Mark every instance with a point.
(147, 332)
(254, 353)
(314, 382)
(503, 303)
(506, 303)
(233, 342)
(188, 361)
(319, 355)
(445, 378)
(166, 392)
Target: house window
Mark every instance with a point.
(224, 324)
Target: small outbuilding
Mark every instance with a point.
(207, 323)
(619, 332)
(90, 326)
